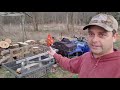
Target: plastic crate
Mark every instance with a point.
(36, 72)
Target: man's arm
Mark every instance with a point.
(72, 65)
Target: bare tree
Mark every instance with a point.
(67, 21)
(35, 20)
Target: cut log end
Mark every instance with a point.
(8, 40)
(4, 44)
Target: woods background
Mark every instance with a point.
(38, 24)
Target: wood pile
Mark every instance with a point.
(30, 42)
(15, 51)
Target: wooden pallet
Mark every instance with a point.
(22, 52)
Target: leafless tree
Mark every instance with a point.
(35, 20)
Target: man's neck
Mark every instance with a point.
(99, 55)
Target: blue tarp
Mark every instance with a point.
(82, 47)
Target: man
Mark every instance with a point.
(103, 61)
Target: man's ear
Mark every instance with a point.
(115, 37)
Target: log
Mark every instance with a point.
(35, 50)
(30, 42)
(8, 40)
(1, 49)
(4, 44)
(14, 46)
(4, 52)
(42, 41)
(1, 56)
(21, 44)
(5, 59)
(19, 70)
(27, 50)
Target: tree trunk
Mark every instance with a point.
(67, 21)
(35, 21)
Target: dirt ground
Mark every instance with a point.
(5, 73)
(61, 73)
(57, 73)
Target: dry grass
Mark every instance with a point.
(15, 32)
(61, 73)
(5, 73)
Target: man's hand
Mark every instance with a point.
(51, 52)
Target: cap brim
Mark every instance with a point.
(100, 25)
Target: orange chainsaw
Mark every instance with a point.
(49, 40)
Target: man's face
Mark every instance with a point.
(100, 41)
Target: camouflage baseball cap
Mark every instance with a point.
(108, 22)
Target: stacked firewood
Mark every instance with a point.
(16, 51)
(5, 43)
